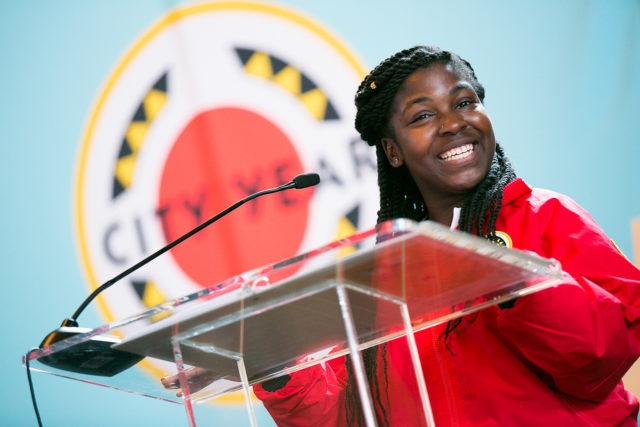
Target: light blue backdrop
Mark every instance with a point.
(562, 86)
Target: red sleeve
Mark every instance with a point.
(574, 335)
(313, 396)
(583, 335)
(575, 239)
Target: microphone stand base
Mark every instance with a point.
(92, 357)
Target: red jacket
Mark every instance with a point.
(556, 358)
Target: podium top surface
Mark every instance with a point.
(273, 316)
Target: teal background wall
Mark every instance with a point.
(562, 86)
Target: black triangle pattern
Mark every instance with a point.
(277, 65)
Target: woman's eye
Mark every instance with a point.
(421, 116)
(465, 103)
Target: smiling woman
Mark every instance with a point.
(555, 357)
(442, 132)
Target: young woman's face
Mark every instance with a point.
(442, 132)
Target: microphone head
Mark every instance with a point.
(306, 180)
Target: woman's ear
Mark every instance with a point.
(392, 151)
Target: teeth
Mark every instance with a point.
(458, 153)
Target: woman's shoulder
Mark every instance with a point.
(519, 192)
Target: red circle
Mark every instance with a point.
(221, 157)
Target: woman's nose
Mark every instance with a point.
(451, 123)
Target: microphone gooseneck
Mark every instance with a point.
(299, 182)
(69, 326)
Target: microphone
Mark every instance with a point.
(96, 355)
(306, 180)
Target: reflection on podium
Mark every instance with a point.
(394, 280)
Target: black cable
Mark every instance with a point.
(33, 395)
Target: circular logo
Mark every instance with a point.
(215, 102)
(502, 239)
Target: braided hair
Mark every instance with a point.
(399, 194)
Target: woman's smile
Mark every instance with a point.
(458, 153)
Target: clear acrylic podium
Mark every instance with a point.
(385, 283)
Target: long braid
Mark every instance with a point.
(399, 195)
(481, 207)
(487, 198)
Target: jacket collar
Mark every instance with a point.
(514, 190)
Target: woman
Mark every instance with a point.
(552, 358)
